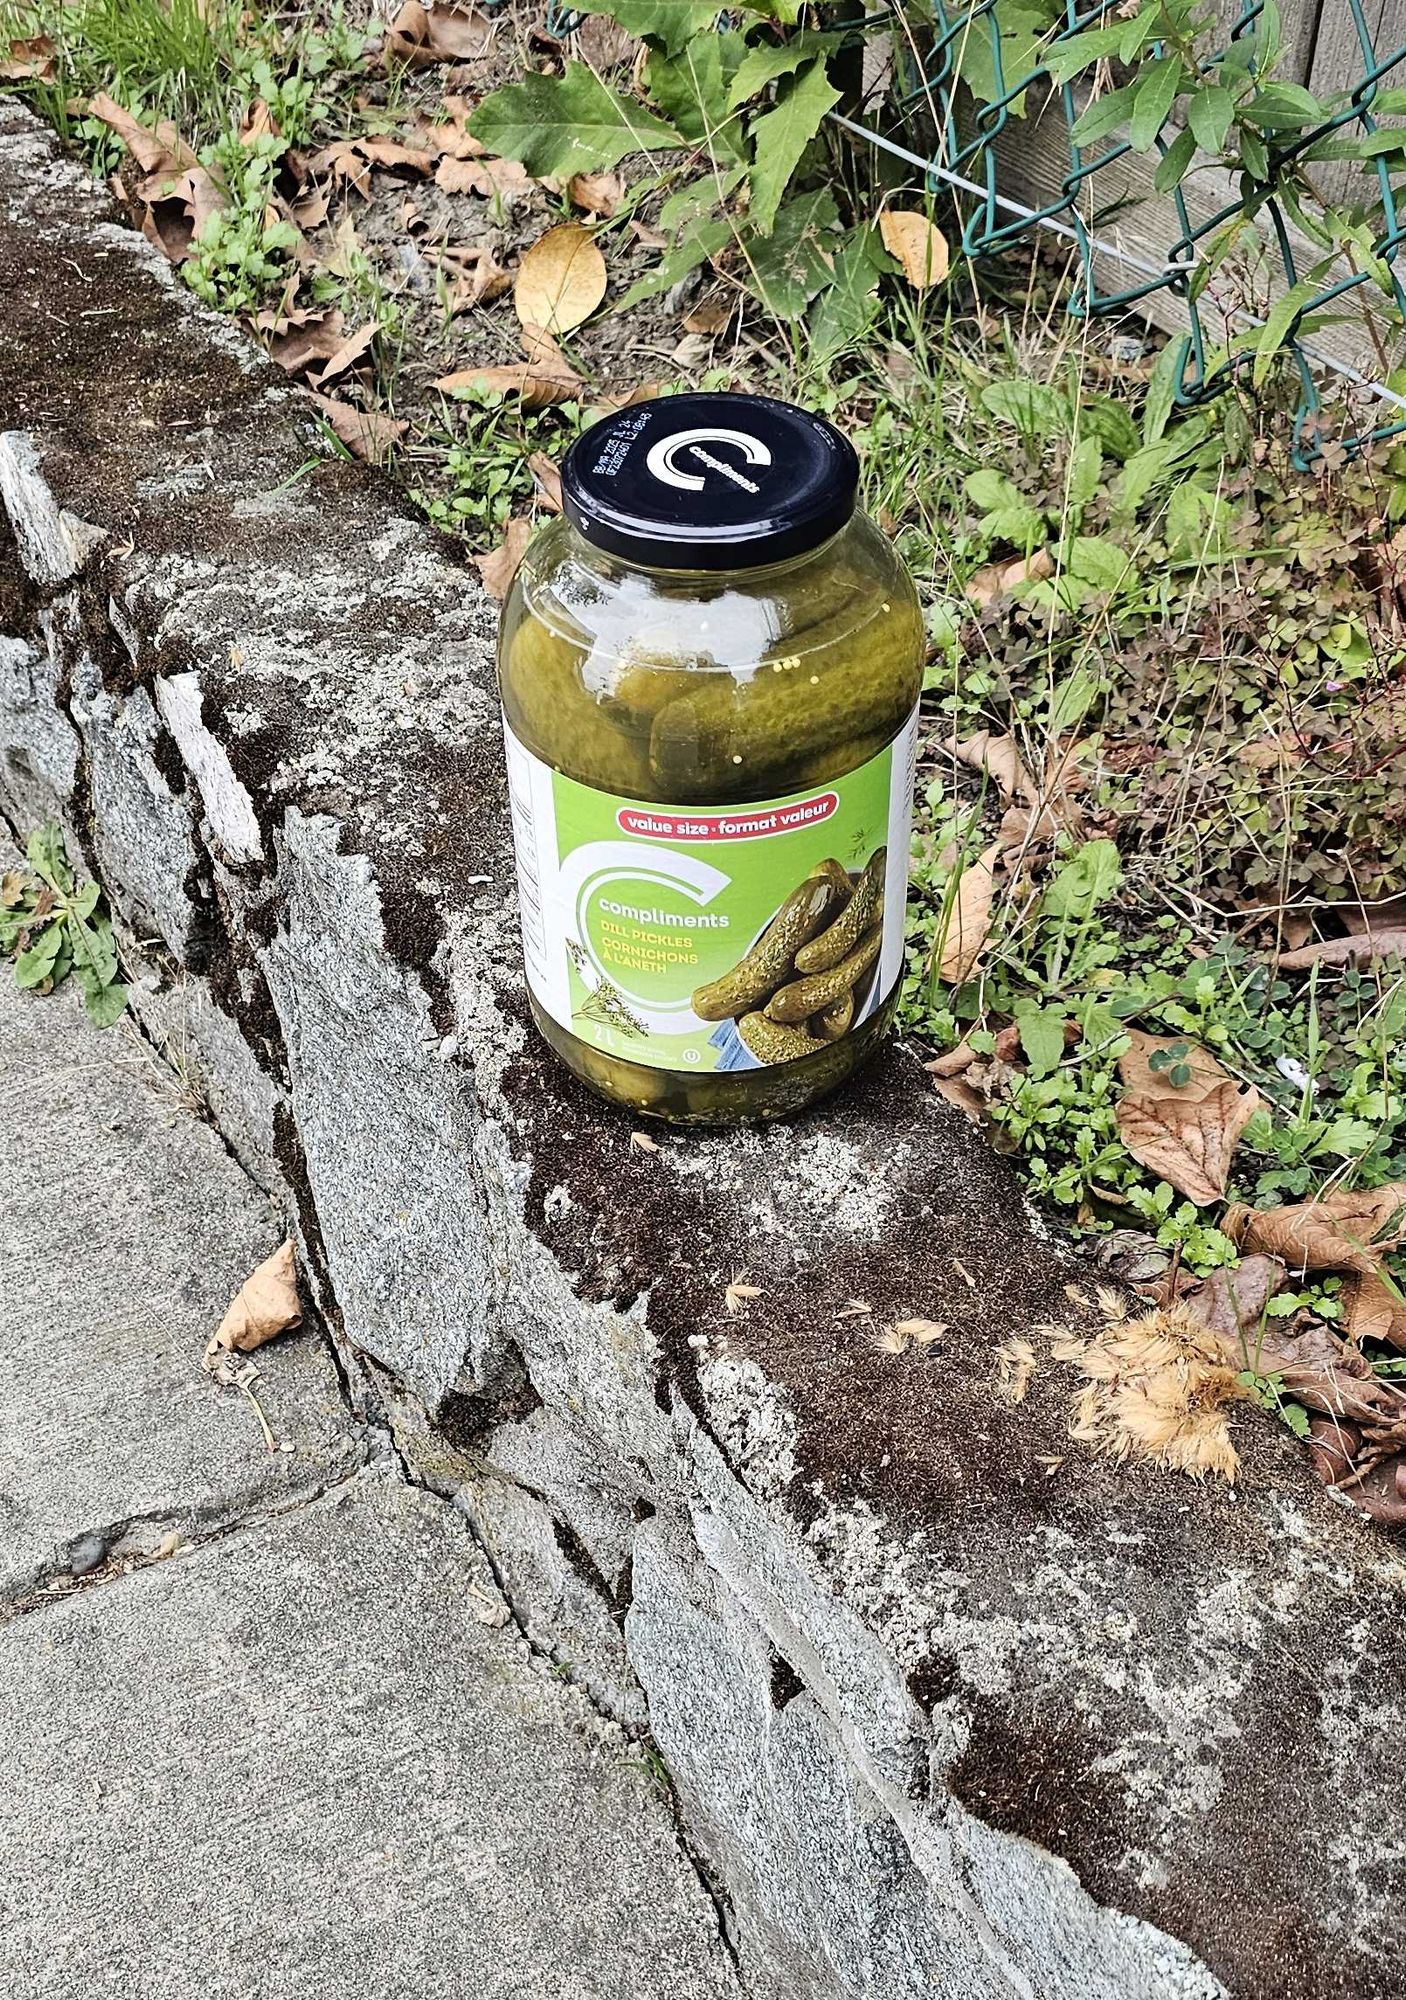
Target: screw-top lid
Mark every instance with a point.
(709, 482)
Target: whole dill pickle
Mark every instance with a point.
(761, 971)
(865, 907)
(798, 706)
(838, 759)
(773, 1043)
(820, 990)
(558, 720)
(836, 1019)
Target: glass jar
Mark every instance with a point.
(710, 668)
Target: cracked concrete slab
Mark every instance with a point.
(126, 1229)
(303, 1761)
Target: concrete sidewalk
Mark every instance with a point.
(307, 1753)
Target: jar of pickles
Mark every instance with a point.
(710, 669)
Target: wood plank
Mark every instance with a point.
(1119, 207)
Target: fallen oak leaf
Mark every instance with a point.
(1352, 950)
(560, 281)
(174, 209)
(953, 1062)
(499, 568)
(1142, 1077)
(1000, 758)
(265, 1305)
(1232, 1302)
(295, 340)
(353, 349)
(421, 36)
(1374, 1311)
(1337, 1232)
(959, 1092)
(481, 174)
(1188, 1141)
(32, 59)
(598, 194)
(537, 387)
(162, 151)
(917, 244)
(968, 920)
(367, 434)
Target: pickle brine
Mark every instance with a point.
(710, 668)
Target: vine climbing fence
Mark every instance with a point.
(1235, 172)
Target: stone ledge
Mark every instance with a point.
(939, 1721)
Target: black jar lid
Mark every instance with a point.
(709, 482)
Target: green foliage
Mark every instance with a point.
(568, 124)
(52, 927)
(477, 475)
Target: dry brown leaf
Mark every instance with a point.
(499, 568)
(537, 387)
(1353, 950)
(547, 480)
(1374, 1312)
(481, 175)
(1338, 1232)
(919, 246)
(1037, 826)
(1000, 757)
(367, 434)
(561, 280)
(953, 1062)
(174, 208)
(1188, 1141)
(32, 59)
(355, 348)
(958, 1091)
(421, 35)
(996, 578)
(597, 194)
(624, 399)
(162, 151)
(478, 276)
(710, 314)
(968, 920)
(265, 1305)
(296, 339)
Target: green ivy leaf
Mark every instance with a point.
(668, 24)
(567, 124)
(780, 137)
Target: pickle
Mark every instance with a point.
(820, 990)
(773, 1043)
(865, 907)
(727, 733)
(837, 759)
(553, 714)
(836, 1019)
(761, 971)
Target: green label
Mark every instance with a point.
(713, 937)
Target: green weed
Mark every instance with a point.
(52, 926)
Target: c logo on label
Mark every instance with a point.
(662, 455)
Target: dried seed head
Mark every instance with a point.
(1015, 1364)
(888, 1340)
(922, 1332)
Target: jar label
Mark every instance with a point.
(699, 938)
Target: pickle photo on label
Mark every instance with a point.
(710, 666)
